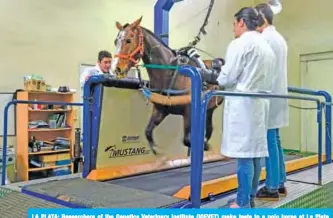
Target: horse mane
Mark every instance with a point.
(155, 37)
(159, 40)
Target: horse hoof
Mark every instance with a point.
(164, 159)
(207, 147)
(161, 162)
(154, 149)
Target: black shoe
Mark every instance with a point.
(252, 204)
(265, 194)
(283, 192)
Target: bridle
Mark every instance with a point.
(135, 55)
(139, 50)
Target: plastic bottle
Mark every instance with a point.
(35, 106)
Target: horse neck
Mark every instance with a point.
(156, 52)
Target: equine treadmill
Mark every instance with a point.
(154, 190)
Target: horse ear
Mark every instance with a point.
(136, 23)
(119, 26)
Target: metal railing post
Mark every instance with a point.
(328, 116)
(319, 123)
(328, 125)
(4, 144)
(196, 147)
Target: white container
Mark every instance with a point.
(10, 161)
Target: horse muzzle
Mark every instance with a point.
(120, 74)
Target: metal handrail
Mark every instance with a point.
(196, 171)
(328, 115)
(5, 128)
(89, 146)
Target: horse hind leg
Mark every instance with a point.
(209, 128)
(156, 118)
(187, 130)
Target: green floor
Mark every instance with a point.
(320, 198)
(298, 153)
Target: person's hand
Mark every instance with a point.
(217, 63)
(209, 75)
(88, 77)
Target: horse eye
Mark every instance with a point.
(128, 41)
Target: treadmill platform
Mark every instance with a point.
(79, 193)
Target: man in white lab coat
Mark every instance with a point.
(103, 65)
(248, 64)
(279, 111)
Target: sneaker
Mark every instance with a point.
(232, 204)
(232, 201)
(265, 194)
(283, 191)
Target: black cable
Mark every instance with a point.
(202, 28)
(303, 108)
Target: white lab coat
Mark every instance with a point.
(249, 60)
(279, 110)
(96, 70)
(91, 72)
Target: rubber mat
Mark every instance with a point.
(16, 204)
(322, 197)
(301, 194)
(295, 190)
(92, 194)
(170, 181)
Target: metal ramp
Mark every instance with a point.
(16, 204)
(301, 193)
(78, 192)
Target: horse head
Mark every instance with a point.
(129, 48)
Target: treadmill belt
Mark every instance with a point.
(79, 192)
(170, 181)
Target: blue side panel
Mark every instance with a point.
(87, 109)
(95, 124)
(91, 118)
(161, 17)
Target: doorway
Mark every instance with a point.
(316, 73)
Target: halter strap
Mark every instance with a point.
(138, 50)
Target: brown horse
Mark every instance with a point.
(135, 42)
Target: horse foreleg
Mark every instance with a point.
(209, 128)
(187, 130)
(156, 118)
(187, 133)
